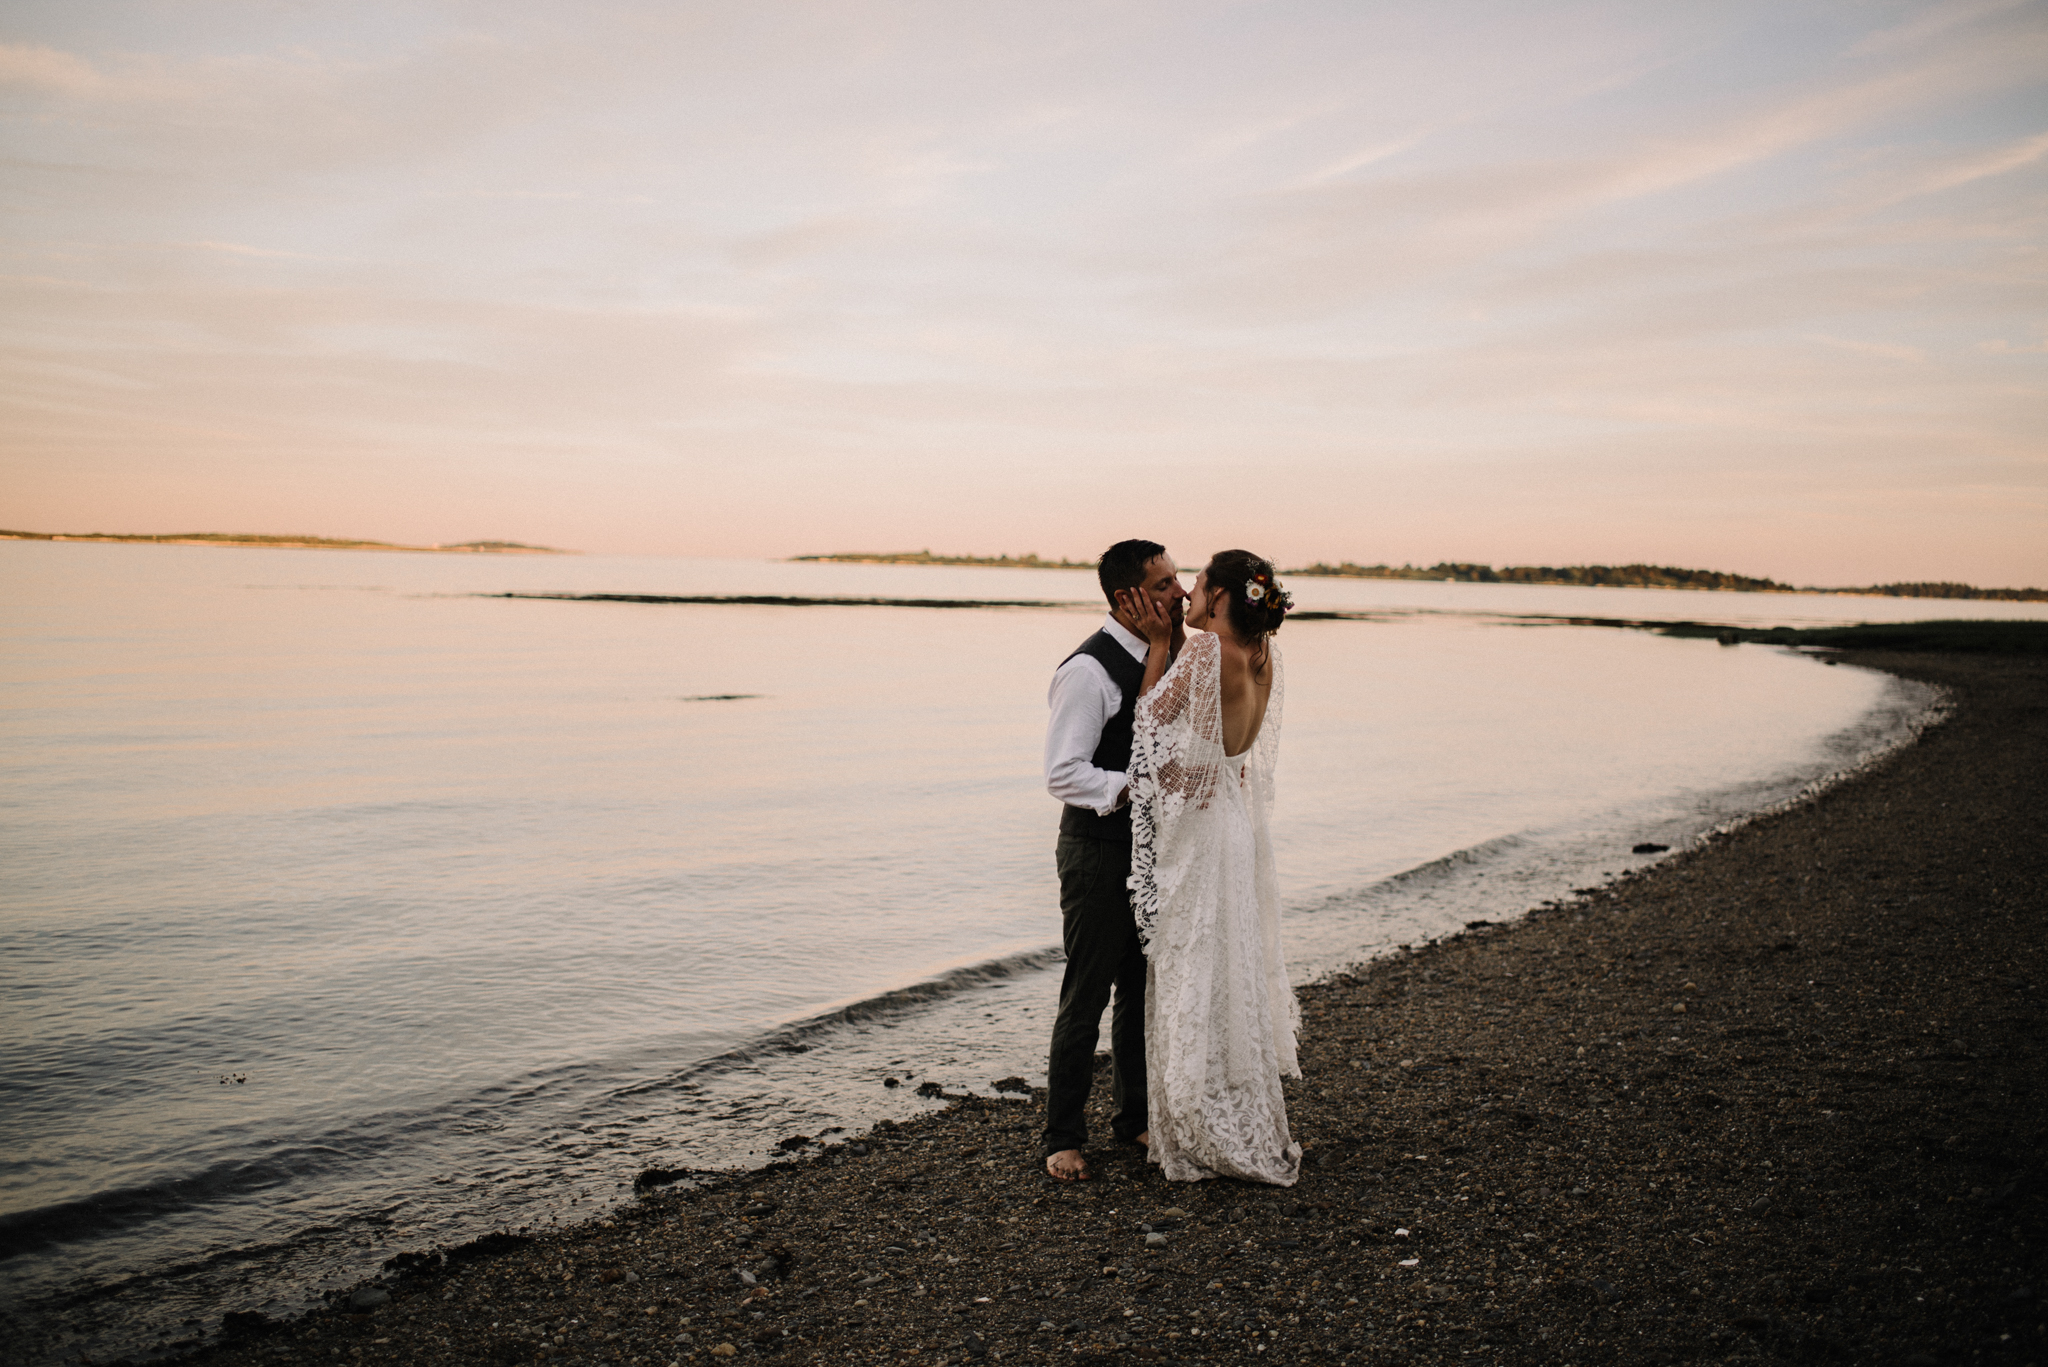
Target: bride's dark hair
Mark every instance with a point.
(1253, 616)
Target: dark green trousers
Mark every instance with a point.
(1104, 959)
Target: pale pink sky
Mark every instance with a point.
(1749, 286)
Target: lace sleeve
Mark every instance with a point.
(1176, 760)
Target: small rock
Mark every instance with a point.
(369, 1298)
(891, 1082)
(724, 1350)
(760, 1208)
(1155, 1241)
(610, 1276)
(1648, 848)
(1012, 1084)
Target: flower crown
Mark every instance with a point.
(1261, 589)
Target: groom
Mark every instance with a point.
(1087, 748)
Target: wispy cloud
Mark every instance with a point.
(1967, 169)
(1359, 160)
(242, 249)
(1890, 351)
(34, 69)
(1933, 22)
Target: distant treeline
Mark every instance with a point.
(330, 543)
(1015, 562)
(1950, 591)
(1618, 576)
(1645, 576)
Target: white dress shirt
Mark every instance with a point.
(1083, 698)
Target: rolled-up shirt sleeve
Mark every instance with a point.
(1083, 700)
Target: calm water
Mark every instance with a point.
(348, 911)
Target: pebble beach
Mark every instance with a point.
(1774, 1098)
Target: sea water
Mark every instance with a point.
(350, 908)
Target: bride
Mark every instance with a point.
(1220, 1019)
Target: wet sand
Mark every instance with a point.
(1778, 1098)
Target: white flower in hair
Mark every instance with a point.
(1255, 592)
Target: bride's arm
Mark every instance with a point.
(1176, 728)
(1150, 619)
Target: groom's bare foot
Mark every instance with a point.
(1067, 1166)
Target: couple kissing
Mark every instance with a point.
(1164, 732)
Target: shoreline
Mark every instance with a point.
(1593, 576)
(1776, 1096)
(284, 543)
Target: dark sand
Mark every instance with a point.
(1775, 1099)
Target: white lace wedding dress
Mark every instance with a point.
(1220, 1018)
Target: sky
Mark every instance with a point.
(1746, 286)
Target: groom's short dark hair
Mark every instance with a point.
(1123, 566)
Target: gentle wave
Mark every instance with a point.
(798, 1036)
(109, 1212)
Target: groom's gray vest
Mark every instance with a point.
(1113, 751)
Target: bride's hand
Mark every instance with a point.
(1150, 618)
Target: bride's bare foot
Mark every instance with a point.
(1146, 1139)
(1067, 1166)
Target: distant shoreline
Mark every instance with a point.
(1568, 576)
(299, 543)
(1007, 562)
(1650, 577)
